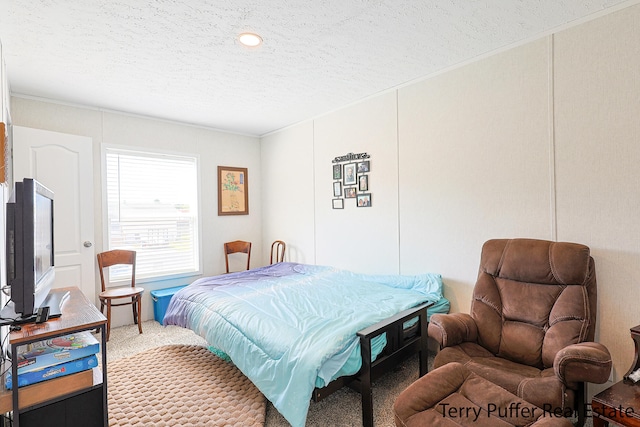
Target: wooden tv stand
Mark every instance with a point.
(77, 399)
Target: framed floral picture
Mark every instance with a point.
(233, 191)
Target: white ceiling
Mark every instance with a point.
(180, 60)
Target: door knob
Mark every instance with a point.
(88, 244)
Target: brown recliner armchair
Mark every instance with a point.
(532, 324)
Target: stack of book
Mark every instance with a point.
(56, 357)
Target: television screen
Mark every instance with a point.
(30, 251)
(43, 236)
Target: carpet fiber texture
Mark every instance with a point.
(183, 385)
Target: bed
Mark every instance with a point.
(301, 331)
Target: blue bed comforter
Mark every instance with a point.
(283, 324)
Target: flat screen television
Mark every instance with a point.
(29, 240)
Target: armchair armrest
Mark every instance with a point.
(583, 362)
(452, 329)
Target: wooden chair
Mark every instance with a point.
(117, 257)
(277, 248)
(237, 246)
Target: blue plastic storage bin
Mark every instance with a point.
(161, 299)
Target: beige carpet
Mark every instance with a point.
(341, 409)
(181, 385)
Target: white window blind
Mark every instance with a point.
(152, 208)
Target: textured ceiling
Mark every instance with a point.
(180, 60)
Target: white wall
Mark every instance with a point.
(214, 148)
(538, 141)
(287, 183)
(363, 239)
(474, 163)
(5, 96)
(597, 128)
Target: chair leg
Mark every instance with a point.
(108, 318)
(139, 313)
(134, 300)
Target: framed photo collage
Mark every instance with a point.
(351, 180)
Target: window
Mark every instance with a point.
(152, 208)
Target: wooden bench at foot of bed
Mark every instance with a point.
(401, 343)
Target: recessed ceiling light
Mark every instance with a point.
(250, 39)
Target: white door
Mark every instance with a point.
(64, 164)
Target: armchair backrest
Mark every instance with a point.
(533, 298)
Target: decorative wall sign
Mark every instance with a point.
(351, 179)
(233, 191)
(351, 157)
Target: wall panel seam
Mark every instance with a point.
(313, 172)
(397, 99)
(552, 141)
